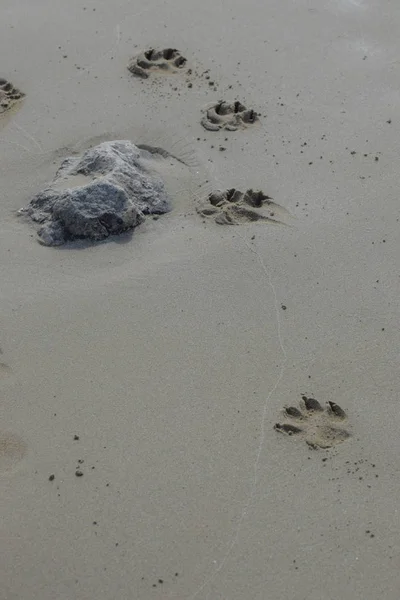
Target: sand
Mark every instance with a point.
(157, 364)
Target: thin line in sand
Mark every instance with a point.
(253, 485)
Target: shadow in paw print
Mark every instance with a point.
(9, 95)
(10, 101)
(224, 115)
(168, 60)
(319, 427)
(234, 207)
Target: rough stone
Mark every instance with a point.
(106, 191)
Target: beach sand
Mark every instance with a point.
(141, 379)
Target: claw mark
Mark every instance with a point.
(287, 428)
(336, 410)
(291, 411)
(311, 403)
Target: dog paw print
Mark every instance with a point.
(319, 427)
(9, 95)
(233, 207)
(224, 115)
(162, 61)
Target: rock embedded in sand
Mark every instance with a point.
(106, 191)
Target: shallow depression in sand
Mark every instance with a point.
(12, 451)
(178, 177)
(5, 370)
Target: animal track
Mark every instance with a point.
(224, 115)
(164, 61)
(9, 95)
(12, 450)
(234, 207)
(319, 427)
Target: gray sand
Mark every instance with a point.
(169, 353)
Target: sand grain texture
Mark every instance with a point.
(157, 365)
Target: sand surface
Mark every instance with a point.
(171, 353)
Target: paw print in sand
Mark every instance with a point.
(9, 95)
(168, 60)
(229, 116)
(319, 427)
(233, 207)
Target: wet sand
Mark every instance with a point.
(141, 379)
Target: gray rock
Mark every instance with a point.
(106, 191)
